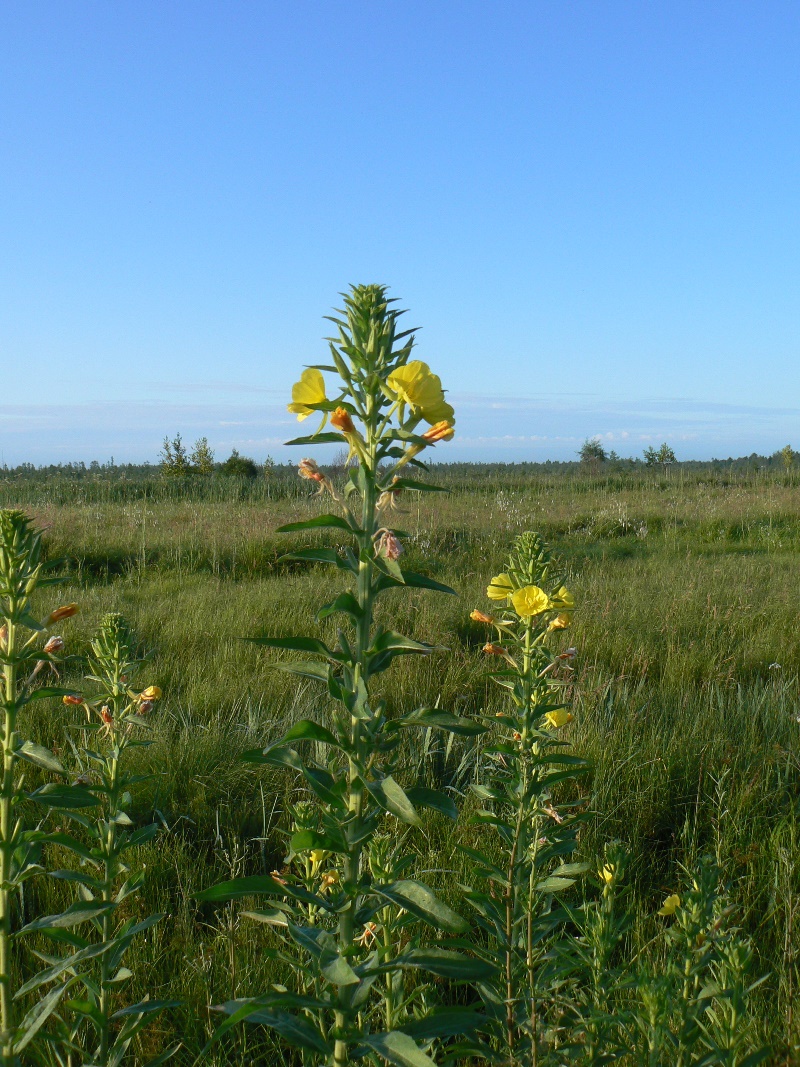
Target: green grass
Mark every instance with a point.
(686, 693)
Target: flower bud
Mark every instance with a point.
(340, 420)
(65, 612)
(440, 431)
(3, 635)
(481, 616)
(494, 650)
(72, 701)
(106, 715)
(145, 707)
(54, 644)
(151, 693)
(560, 622)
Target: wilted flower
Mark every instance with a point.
(559, 717)
(329, 878)
(106, 715)
(440, 431)
(340, 420)
(309, 390)
(388, 497)
(481, 616)
(54, 644)
(151, 693)
(368, 936)
(560, 622)
(417, 386)
(500, 587)
(563, 599)
(568, 654)
(388, 546)
(72, 701)
(145, 707)
(494, 650)
(65, 612)
(670, 905)
(530, 600)
(307, 468)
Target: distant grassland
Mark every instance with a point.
(686, 687)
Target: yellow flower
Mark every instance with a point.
(500, 587)
(670, 905)
(318, 855)
(309, 390)
(557, 718)
(416, 385)
(561, 622)
(607, 873)
(151, 693)
(530, 600)
(563, 599)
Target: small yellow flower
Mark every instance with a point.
(416, 385)
(340, 420)
(559, 717)
(500, 587)
(607, 873)
(530, 600)
(309, 390)
(670, 905)
(151, 693)
(318, 856)
(560, 622)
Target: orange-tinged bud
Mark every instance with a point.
(54, 644)
(340, 420)
(494, 650)
(481, 616)
(106, 715)
(64, 612)
(389, 546)
(568, 654)
(151, 693)
(440, 431)
(72, 701)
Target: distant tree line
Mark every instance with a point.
(178, 462)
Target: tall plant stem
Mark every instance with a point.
(355, 786)
(109, 872)
(7, 845)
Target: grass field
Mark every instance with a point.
(686, 693)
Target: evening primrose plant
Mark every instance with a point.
(529, 767)
(342, 941)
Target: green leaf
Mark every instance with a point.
(50, 973)
(321, 555)
(344, 602)
(241, 887)
(307, 840)
(420, 900)
(48, 692)
(146, 1007)
(417, 487)
(39, 755)
(442, 720)
(433, 799)
(553, 884)
(38, 1016)
(399, 644)
(445, 1022)
(295, 644)
(304, 668)
(76, 913)
(330, 437)
(306, 730)
(447, 964)
(336, 969)
(335, 522)
(399, 1049)
(64, 796)
(393, 798)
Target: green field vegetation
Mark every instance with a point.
(685, 693)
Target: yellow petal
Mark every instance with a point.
(670, 905)
(500, 587)
(559, 717)
(563, 599)
(607, 873)
(416, 385)
(530, 600)
(309, 390)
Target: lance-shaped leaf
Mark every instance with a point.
(392, 797)
(76, 913)
(306, 730)
(309, 840)
(327, 438)
(297, 1030)
(322, 555)
(417, 487)
(399, 1049)
(400, 645)
(445, 1022)
(412, 580)
(442, 720)
(446, 963)
(433, 799)
(336, 968)
(64, 796)
(242, 887)
(319, 672)
(47, 975)
(344, 602)
(47, 692)
(420, 900)
(38, 1016)
(295, 644)
(319, 522)
(40, 756)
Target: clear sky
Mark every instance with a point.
(589, 206)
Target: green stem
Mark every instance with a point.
(7, 845)
(109, 874)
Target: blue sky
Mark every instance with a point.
(590, 208)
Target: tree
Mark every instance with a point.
(592, 452)
(787, 455)
(174, 461)
(202, 457)
(241, 466)
(666, 455)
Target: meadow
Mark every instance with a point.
(685, 693)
